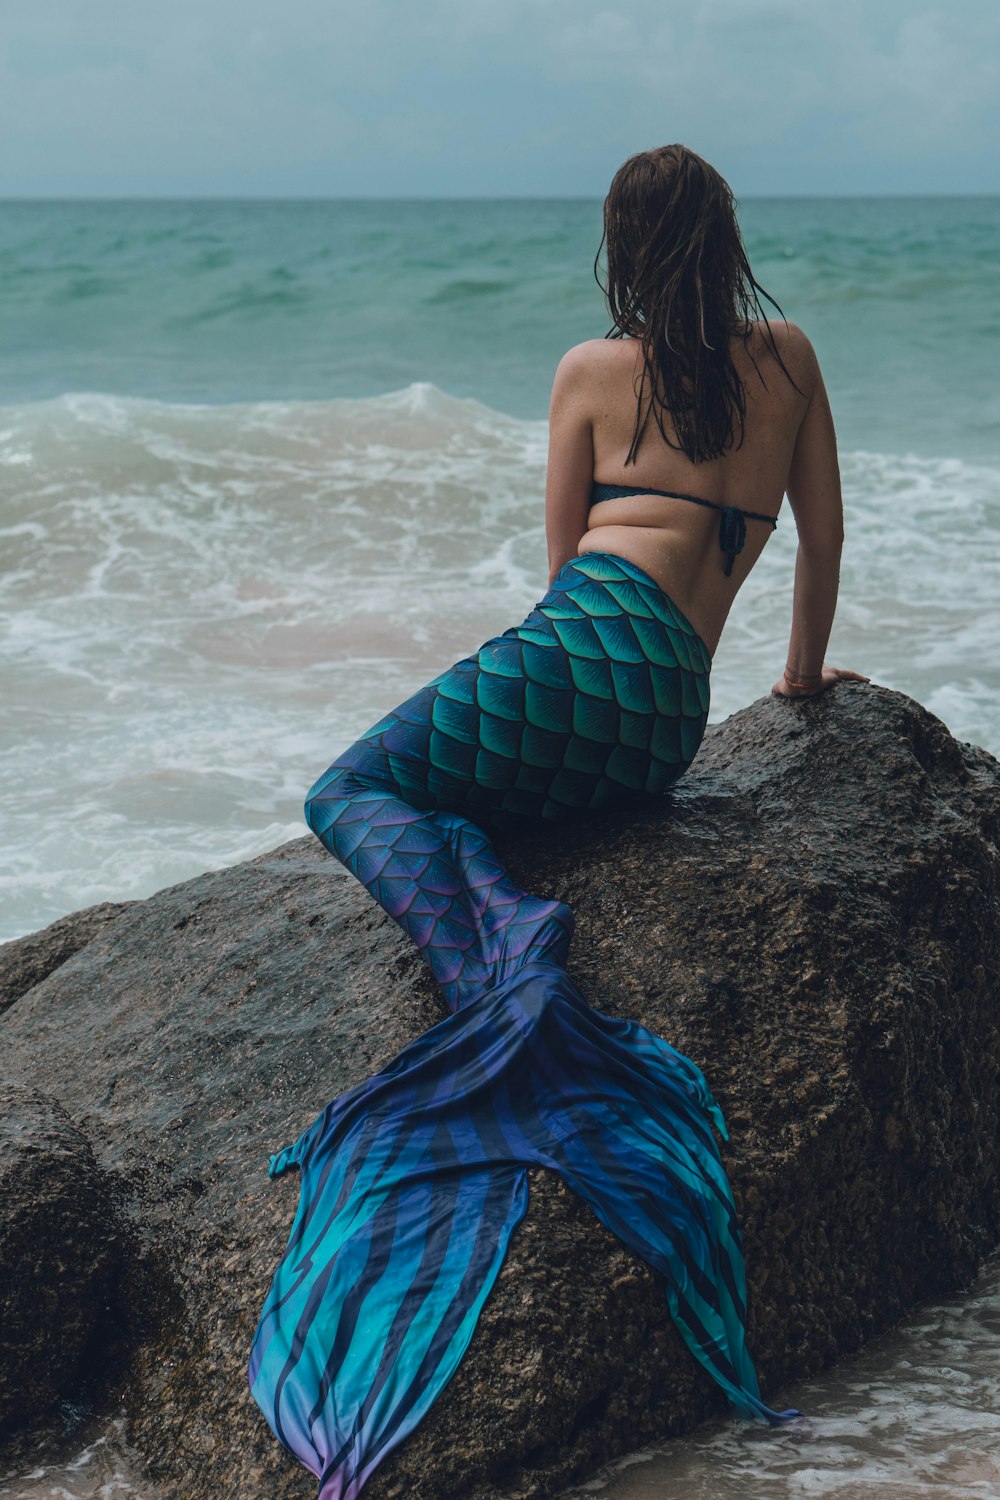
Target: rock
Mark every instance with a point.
(58, 1252)
(814, 917)
(26, 961)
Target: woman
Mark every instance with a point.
(672, 444)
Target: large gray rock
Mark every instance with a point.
(28, 960)
(58, 1253)
(813, 917)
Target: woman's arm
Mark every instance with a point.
(570, 472)
(813, 489)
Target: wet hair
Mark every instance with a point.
(679, 281)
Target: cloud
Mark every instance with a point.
(494, 95)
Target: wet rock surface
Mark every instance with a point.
(58, 1253)
(28, 960)
(813, 916)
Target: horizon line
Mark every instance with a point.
(445, 197)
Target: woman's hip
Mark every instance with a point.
(600, 694)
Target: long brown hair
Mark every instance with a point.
(679, 281)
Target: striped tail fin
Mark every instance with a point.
(413, 1182)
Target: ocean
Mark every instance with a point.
(267, 466)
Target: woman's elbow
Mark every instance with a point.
(559, 556)
(823, 545)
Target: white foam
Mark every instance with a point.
(915, 1414)
(920, 593)
(202, 605)
(102, 1470)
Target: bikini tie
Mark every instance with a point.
(732, 534)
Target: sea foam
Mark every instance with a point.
(202, 605)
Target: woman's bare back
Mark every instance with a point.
(788, 446)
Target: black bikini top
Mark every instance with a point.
(732, 520)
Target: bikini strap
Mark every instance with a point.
(732, 519)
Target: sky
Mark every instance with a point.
(456, 98)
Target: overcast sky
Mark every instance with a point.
(494, 97)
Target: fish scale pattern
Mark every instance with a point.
(412, 1183)
(601, 694)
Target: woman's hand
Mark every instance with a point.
(789, 686)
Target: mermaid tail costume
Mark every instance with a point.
(413, 1182)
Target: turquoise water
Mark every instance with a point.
(308, 300)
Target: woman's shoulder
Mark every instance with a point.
(789, 339)
(787, 343)
(594, 360)
(603, 354)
